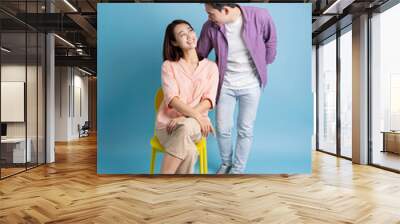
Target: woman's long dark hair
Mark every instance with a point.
(171, 52)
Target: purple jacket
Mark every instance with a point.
(259, 35)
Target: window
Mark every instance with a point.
(22, 68)
(327, 96)
(385, 89)
(346, 93)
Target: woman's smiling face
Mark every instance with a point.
(185, 37)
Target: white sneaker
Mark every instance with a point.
(233, 171)
(224, 169)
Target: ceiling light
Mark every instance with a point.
(84, 71)
(70, 5)
(5, 50)
(65, 41)
(338, 6)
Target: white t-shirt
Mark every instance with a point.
(241, 73)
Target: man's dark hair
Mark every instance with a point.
(220, 6)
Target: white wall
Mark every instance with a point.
(12, 73)
(70, 83)
(62, 81)
(79, 110)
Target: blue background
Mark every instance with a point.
(130, 38)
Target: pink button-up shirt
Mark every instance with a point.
(190, 87)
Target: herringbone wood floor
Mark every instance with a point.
(69, 191)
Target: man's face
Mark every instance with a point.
(216, 16)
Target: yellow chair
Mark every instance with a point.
(157, 147)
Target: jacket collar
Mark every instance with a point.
(244, 17)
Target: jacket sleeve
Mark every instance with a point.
(270, 38)
(211, 92)
(204, 44)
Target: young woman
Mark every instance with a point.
(190, 86)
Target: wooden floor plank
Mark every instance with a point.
(70, 191)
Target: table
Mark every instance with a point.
(391, 141)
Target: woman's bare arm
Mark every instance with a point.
(203, 106)
(184, 109)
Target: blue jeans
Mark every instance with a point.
(248, 100)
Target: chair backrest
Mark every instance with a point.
(158, 99)
(86, 125)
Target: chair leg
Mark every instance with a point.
(201, 161)
(153, 160)
(205, 165)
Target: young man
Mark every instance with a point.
(244, 40)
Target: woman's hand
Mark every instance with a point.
(205, 126)
(172, 125)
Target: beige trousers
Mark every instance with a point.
(181, 143)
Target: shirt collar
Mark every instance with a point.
(185, 67)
